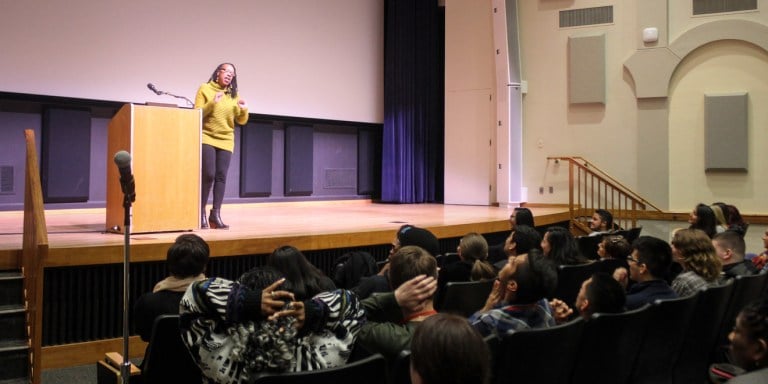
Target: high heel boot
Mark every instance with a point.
(203, 220)
(215, 220)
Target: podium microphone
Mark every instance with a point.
(154, 89)
(123, 161)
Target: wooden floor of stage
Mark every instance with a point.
(78, 236)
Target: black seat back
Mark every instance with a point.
(465, 297)
(701, 334)
(570, 278)
(168, 360)
(541, 355)
(588, 246)
(371, 370)
(610, 346)
(746, 289)
(663, 339)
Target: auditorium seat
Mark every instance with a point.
(610, 345)
(465, 297)
(610, 265)
(745, 290)
(588, 246)
(541, 355)
(570, 278)
(167, 359)
(664, 336)
(401, 369)
(371, 370)
(701, 334)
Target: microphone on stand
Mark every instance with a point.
(158, 92)
(154, 89)
(123, 161)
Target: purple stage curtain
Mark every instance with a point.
(414, 70)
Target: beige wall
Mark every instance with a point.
(653, 145)
(719, 67)
(469, 103)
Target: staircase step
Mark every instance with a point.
(24, 380)
(11, 288)
(13, 345)
(13, 323)
(14, 362)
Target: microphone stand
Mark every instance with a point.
(178, 97)
(125, 368)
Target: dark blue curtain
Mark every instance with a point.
(412, 158)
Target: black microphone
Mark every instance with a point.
(153, 89)
(123, 161)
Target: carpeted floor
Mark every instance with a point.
(83, 374)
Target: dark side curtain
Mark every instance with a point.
(412, 153)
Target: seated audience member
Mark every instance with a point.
(734, 219)
(559, 246)
(520, 216)
(351, 267)
(720, 223)
(702, 217)
(406, 235)
(518, 299)
(648, 263)
(730, 248)
(749, 343)
(306, 280)
(392, 317)
(601, 222)
(446, 350)
(613, 247)
(761, 261)
(693, 250)
(472, 264)
(601, 293)
(185, 260)
(236, 329)
(519, 242)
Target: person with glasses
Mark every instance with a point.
(648, 263)
(518, 298)
(222, 108)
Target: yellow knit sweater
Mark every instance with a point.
(219, 118)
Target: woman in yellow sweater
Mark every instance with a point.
(222, 109)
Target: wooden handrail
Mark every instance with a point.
(591, 188)
(34, 252)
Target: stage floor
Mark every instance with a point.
(78, 236)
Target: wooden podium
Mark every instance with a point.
(164, 144)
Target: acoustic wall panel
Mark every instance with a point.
(586, 69)
(369, 162)
(298, 159)
(66, 155)
(256, 160)
(725, 132)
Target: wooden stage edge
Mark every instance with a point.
(78, 236)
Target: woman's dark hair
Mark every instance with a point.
(754, 319)
(563, 247)
(232, 87)
(307, 280)
(733, 218)
(523, 216)
(188, 256)
(445, 349)
(705, 220)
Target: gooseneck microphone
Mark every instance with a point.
(154, 89)
(123, 162)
